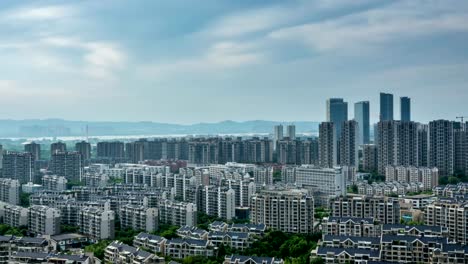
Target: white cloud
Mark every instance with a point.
(265, 19)
(219, 56)
(248, 22)
(376, 26)
(101, 59)
(41, 13)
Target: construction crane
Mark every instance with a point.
(462, 118)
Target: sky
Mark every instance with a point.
(184, 61)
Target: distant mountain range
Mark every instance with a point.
(59, 127)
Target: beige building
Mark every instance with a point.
(288, 210)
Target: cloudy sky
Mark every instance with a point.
(183, 61)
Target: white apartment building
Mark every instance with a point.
(178, 213)
(54, 183)
(9, 191)
(288, 210)
(428, 178)
(139, 218)
(44, 220)
(218, 201)
(323, 183)
(14, 215)
(450, 214)
(97, 223)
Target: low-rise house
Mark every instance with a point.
(218, 226)
(238, 259)
(258, 229)
(192, 232)
(119, 253)
(451, 253)
(181, 248)
(41, 257)
(351, 242)
(416, 230)
(32, 244)
(350, 226)
(236, 240)
(346, 255)
(156, 244)
(66, 242)
(409, 249)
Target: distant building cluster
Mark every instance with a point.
(375, 197)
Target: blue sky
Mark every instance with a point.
(207, 61)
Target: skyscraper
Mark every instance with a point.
(362, 116)
(57, 147)
(337, 112)
(405, 109)
(441, 146)
(385, 145)
(407, 144)
(291, 129)
(386, 107)
(110, 149)
(67, 164)
(134, 151)
(369, 158)
(460, 135)
(84, 148)
(349, 144)
(34, 149)
(397, 144)
(19, 166)
(423, 145)
(278, 135)
(327, 145)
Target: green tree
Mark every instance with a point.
(453, 180)
(443, 180)
(167, 231)
(276, 175)
(70, 184)
(15, 231)
(98, 248)
(126, 235)
(353, 189)
(24, 199)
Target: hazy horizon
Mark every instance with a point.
(190, 62)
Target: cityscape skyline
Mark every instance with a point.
(350, 109)
(234, 132)
(240, 59)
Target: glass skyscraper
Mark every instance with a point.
(386, 107)
(362, 116)
(337, 112)
(405, 109)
